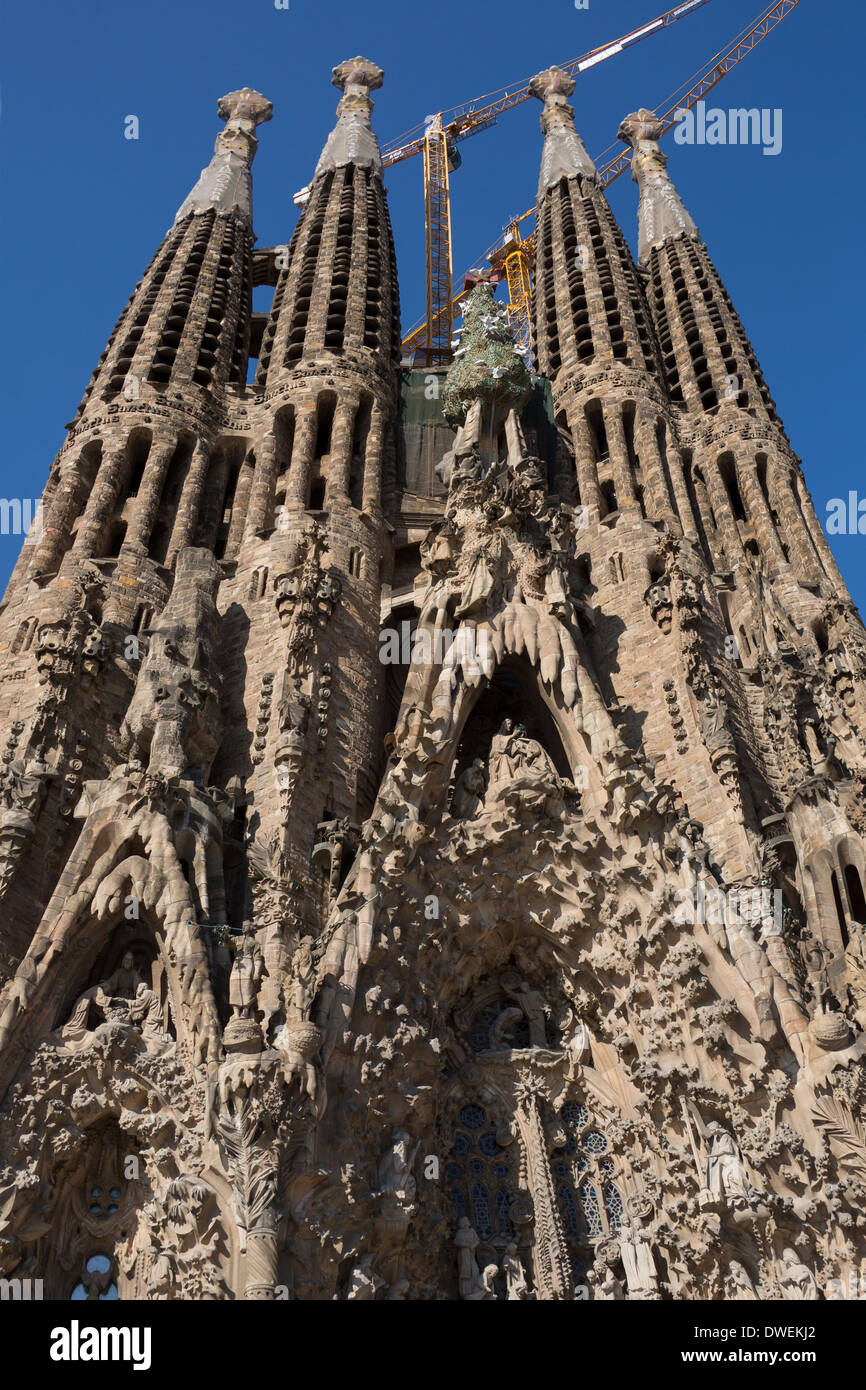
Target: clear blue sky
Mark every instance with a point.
(84, 208)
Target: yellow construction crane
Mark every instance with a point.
(438, 140)
(512, 254)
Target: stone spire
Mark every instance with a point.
(352, 140)
(226, 184)
(661, 213)
(564, 154)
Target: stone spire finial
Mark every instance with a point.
(661, 213)
(564, 154)
(226, 183)
(352, 140)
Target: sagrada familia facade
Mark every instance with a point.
(433, 823)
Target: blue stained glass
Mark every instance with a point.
(476, 1166)
(457, 1198)
(576, 1115)
(503, 1212)
(481, 1208)
(500, 1170)
(568, 1208)
(560, 1170)
(582, 1162)
(594, 1142)
(479, 1030)
(591, 1212)
(462, 1144)
(613, 1202)
(487, 1143)
(453, 1172)
(606, 1166)
(473, 1117)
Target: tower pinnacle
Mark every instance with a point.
(564, 153)
(226, 183)
(661, 212)
(352, 140)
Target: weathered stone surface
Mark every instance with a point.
(449, 896)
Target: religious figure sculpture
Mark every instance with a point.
(533, 1004)
(469, 791)
(724, 1174)
(247, 972)
(739, 1286)
(797, 1280)
(638, 1262)
(515, 1278)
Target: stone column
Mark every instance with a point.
(263, 483)
(110, 480)
(65, 506)
(372, 494)
(760, 512)
(681, 495)
(731, 542)
(205, 532)
(657, 502)
(240, 507)
(149, 493)
(623, 479)
(300, 468)
(342, 433)
(816, 532)
(587, 471)
(554, 1280)
(186, 517)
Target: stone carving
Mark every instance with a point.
(796, 1279)
(247, 972)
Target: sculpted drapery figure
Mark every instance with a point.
(797, 1280)
(247, 972)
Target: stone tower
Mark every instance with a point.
(419, 882)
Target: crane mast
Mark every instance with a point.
(513, 254)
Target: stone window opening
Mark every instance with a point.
(326, 406)
(23, 639)
(139, 450)
(513, 693)
(820, 631)
(115, 539)
(335, 324)
(597, 431)
(856, 898)
(355, 562)
(585, 1175)
(608, 495)
(175, 477)
(315, 220)
(284, 438)
(360, 435)
(98, 1280)
(840, 911)
(316, 502)
(258, 582)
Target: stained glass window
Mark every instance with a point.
(478, 1174)
(584, 1173)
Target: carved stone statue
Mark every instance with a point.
(364, 1283)
(395, 1168)
(469, 791)
(534, 1006)
(515, 1278)
(725, 1177)
(247, 972)
(122, 984)
(739, 1287)
(638, 1262)
(796, 1279)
